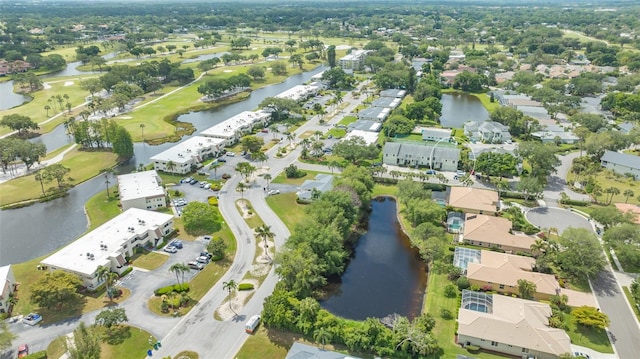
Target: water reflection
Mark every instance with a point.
(385, 275)
(458, 108)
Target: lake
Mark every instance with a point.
(458, 108)
(385, 274)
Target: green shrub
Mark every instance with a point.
(446, 314)
(245, 286)
(126, 271)
(463, 283)
(472, 348)
(213, 201)
(172, 288)
(571, 202)
(450, 291)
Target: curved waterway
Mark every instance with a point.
(385, 275)
(33, 231)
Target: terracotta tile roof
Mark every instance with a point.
(473, 198)
(494, 230)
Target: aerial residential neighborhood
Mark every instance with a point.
(288, 179)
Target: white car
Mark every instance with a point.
(581, 355)
(231, 154)
(32, 318)
(274, 191)
(170, 249)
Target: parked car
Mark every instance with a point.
(32, 318)
(243, 153)
(264, 130)
(180, 202)
(195, 265)
(207, 238)
(170, 249)
(206, 254)
(222, 160)
(330, 136)
(431, 172)
(273, 191)
(176, 243)
(193, 181)
(202, 184)
(23, 351)
(207, 186)
(231, 154)
(226, 176)
(251, 324)
(202, 259)
(581, 355)
(327, 150)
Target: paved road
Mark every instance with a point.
(557, 183)
(198, 330)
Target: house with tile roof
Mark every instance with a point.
(512, 326)
(494, 232)
(473, 200)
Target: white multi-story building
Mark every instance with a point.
(299, 92)
(354, 60)
(110, 244)
(141, 190)
(187, 155)
(232, 129)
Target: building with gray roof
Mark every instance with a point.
(365, 125)
(621, 163)
(322, 183)
(487, 132)
(304, 351)
(374, 114)
(436, 156)
(395, 93)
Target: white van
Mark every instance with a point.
(252, 324)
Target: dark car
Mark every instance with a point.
(222, 159)
(206, 254)
(177, 243)
(431, 172)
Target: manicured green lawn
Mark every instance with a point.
(607, 179)
(337, 132)
(84, 165)
(383, 189)
(35, 108)
(130, 343)
(347, 120)
(100, 209)
(266, 344)
(254, 221)
(149, 261)
(282, 178)
(287, 209)
(595, 339)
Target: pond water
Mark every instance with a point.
(8, 98)
(62, 220)
(458, 108)
(385, 275)
(204, 57)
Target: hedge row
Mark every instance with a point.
(172, 288)
(245, 286)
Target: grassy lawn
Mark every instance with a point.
(84, 165)
(384, 189)
(347, 120)
(282, 178)
(287, 209)
(56, 152)
(100, 209)
(149, 261)
(35, 108)
(634, 305)
(417, 137)
(126, 342)
(595, 339)
(56, 348)
(337, 132)
(607, 179)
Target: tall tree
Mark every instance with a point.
(56, 289)
(331, 56)
(581, 255)
(86, 343)
(526, 289)
(230, 286)
(265, 233)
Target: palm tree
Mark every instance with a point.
(142, 126)
(317, 148)
(267, 177)
(47, 108)
(613, 191)
(318, 133)
(291, 137)
(241, 187)
(179, 269)
(538, 247)
(627, 193)
(171, 166)
(274, 129)
(526, 289)
(322, 335)
(106, 172)
(333, 165)
(230, 286)
(305, 143)
(265, 233)
(104, 273)
(42, 176)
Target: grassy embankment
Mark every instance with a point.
(84, 165)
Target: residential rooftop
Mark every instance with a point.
(140, 185)
(478, 199)
(230, 127)
(184, 151)
(494, 230)
(87, 252)
(368, 136)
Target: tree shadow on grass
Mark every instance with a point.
(117, 335)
